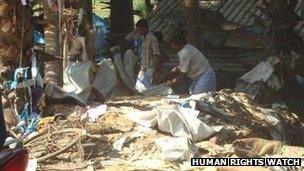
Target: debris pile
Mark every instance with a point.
(155, 132)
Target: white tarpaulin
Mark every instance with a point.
(178, 121)
(129, 82)
(106, 78)
(76, 79)
(143, 131)
(264, 71)
(261, 72)
(129, 61)
(176, 149)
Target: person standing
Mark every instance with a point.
(149, 53)
(194, 65)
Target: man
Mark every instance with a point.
(194, 65)
(149, 53)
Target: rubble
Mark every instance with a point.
(113, 141)
(156, 129)
(261, 79)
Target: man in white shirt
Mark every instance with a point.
(193, 64)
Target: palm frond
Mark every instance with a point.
(140, 8)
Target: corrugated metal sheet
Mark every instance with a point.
(244, 12)
(164, 18)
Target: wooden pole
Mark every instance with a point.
(193, 16)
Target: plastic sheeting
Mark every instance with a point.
(129, 61)
(76, 79)
(77, 82)
(178, 121)
(106, 78)
(176, 149)
(124, 73)
(261, 72)
(101, 33)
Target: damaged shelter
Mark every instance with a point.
(93, 118)
(235, 34)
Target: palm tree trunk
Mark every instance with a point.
(193, 21)
(16, 35)
(49, 29)
(53, 68)
(121, 19)
(149, 5)
(87, 27)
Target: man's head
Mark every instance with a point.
(142, 27)
(178, 42)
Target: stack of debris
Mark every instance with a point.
(147, 133)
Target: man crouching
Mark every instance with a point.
(194, 65)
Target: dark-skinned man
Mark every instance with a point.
(149, 53)
(194, 65)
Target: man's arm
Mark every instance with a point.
(180, 71)
(175, 79)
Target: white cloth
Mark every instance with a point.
(129, 61)
(76, 79)
(121, 71)
(144, 80)
(106, 78)
(178, 121)
(192, 62)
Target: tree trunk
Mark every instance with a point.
(87, 27)
(12, 15)
(149, 5)
(49, 29)
(193, 21)
(121, 19)
(53, 70)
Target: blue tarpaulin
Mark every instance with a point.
(101, 32)
(39, 38)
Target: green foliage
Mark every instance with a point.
(140, 8)
(101, 7)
